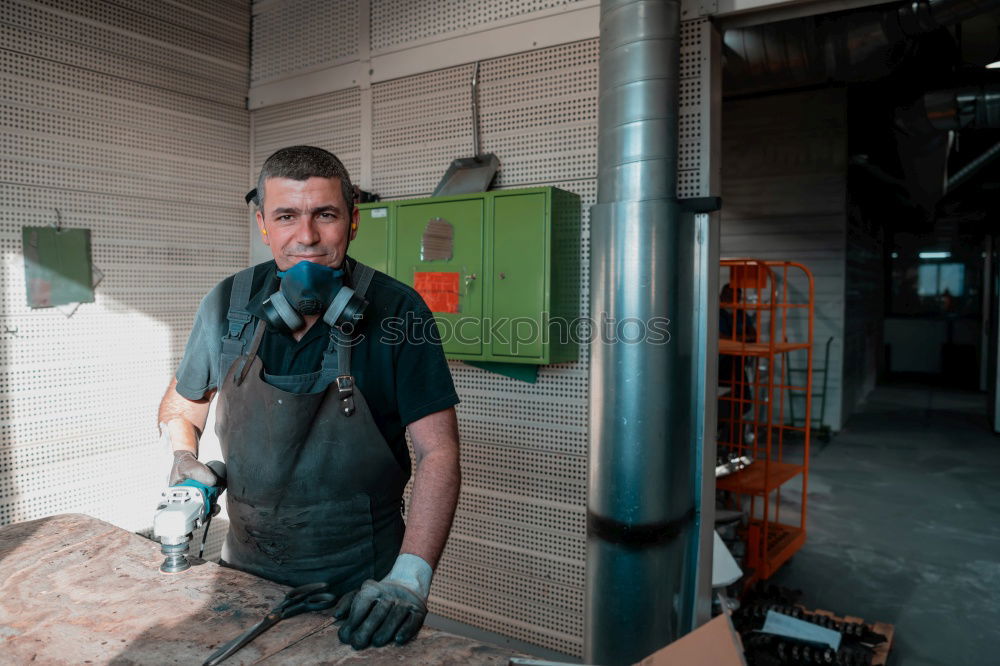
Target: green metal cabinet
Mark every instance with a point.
(372, 240)
(461, 331)
(499, 269)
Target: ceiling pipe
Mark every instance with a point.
(922, 16)
(640, 468)
(973, 167)
(851, 46)
(973, 107)
(925, 132)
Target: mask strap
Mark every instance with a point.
(365, 275)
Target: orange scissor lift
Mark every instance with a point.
(769, 312)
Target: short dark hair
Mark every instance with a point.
(303, 163)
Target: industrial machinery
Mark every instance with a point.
(184, 508)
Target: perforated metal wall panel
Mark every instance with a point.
(330, 121)
(419, 124)
(516, 556)
(520, 525)
(516, 562)
(293, 36)
(694, 142)
(128, 119)
(396, 22)
(76, 36)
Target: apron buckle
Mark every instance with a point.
(345, 391)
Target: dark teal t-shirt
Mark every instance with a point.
(397, 360)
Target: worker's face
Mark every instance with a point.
(306, 220)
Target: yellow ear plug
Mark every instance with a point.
(354, 225)
(263, 231)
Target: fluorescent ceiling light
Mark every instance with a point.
(934, 255)
(993, 65)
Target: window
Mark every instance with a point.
(938, 279)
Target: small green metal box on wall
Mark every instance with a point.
(500, 270)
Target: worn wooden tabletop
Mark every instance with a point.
(74, 589)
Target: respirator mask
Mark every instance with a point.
(308, 288)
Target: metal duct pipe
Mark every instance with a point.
(922, 16)
(925, 132)
(973, 107)
(640, 504)
(637, 100)
(851, 46)
(973, 167)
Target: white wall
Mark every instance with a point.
(129, 118)
(784, 193)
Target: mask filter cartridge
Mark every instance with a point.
(309, 288)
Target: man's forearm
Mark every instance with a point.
(432, 505)
(181, 420)
(436, 483)
(394, 608)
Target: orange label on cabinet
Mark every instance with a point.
(439, 290)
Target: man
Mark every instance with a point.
(314, 402)
(735, 324)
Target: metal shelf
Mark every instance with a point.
(783, 541)
(740, 348)
(766, 322)
(759, 478)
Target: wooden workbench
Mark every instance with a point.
(74, 589)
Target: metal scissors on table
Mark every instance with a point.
(302, 599)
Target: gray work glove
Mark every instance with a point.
(187, 466)
(392, 609)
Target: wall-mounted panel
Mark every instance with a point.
(128, 120)
(466, 218)
(295, 36)
(152, 21)
(539, 115)
(516, 556)
(399, 22)
(331, 121)
(419, 124)
(486, 264)
(78, 38)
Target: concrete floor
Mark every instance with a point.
(904, 525)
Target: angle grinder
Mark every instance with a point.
(183, 509)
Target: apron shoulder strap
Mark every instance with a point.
(362, 278)
(234, 341)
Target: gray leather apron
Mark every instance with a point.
(313, 491)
